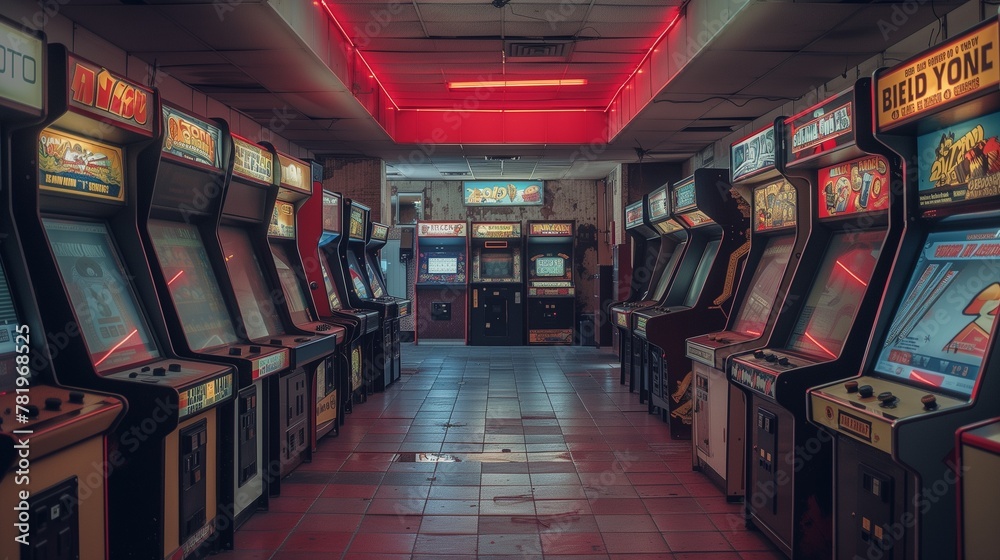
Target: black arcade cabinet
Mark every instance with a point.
(496, 300)
(551, 285)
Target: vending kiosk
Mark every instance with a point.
(551, 282)
(775, 246)
(75, 202)
(359, 292)
(645, 253)
(378, 235)
(496, 303)
(698, 300)
(930, 365)
(319, 243)
(441, 286)
(827, 314)
(51, 434)
(295, 187)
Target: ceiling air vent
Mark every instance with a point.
(502, 158)
(539, 51)
(455, 173)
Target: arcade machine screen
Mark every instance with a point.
(496, 265)
(664, 282)
(376, 282)
(701, 273)
(764, 286)
(113, 328)
(295, 294)
(550, 267)
(943, 326)
(442, 265)
(192, 286)
(833, 300)
(8, 336)
(358, 277)
(252, 294)
(331, 291)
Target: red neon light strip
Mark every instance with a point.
(517, 83)
(656, 43)
(915, 375)
(821, 347)
(176, 276)
(755, 333)
(116, 347)
(358, 53)
(855, 276)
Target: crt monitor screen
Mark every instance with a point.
(192, 284)
(331, 290)
(114, 330)
(663, 282)
(295, 294)
(753, 313)
(836, 292)
(8, 337)
(495, 264)
(442, 265)
(260, 316)
(358, 279)
(550, 267)
(375, 280)
(943, 326)
(701, 273)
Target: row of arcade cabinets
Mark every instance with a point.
(178, 309)
(514, 287)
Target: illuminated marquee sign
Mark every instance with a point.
(551, 229)
(204, 395)
(814, 130)
(331, 214)
(514, 193)
(357, 230)
(774, 206)
(684, 196)
(380, 232)
(252, 161)
(282, 220)
(658, 203)
(75, 165)
(633, 215)
(441, 229)
(295, 174)
(963, 162)
(189, 138)
(854, 187)
(106, 96)
(21, 73)
(752, 155)
(668, 226)
(962, 67)
(496, 231)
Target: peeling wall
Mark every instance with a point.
(564, 200)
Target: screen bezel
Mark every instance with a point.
(282, 260)
(772, 241)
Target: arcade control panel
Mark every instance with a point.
(188, 377)
(880, 401)
(57, 417)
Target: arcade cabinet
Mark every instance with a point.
(295, 187)
(551, 286)
(359, 293)
(855, 222)
(978, 490)
(496, 304)
(673, 242)
(441, 290)
(50, 435)
(719, 409)
(378, 235)
(319, 241)
(929, 367)
(196, 151)
(699, 297)
(645, 253)
(75, 206)
(249, 280)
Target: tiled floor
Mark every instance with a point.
(557, 461)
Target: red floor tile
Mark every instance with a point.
(333, 522)
(702, 541)
(572, 543)
(317, 541)
(397, 543)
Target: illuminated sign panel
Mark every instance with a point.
(496, 231)
(658, 203)
(282, 220)
(441, 229)
(854, 187)
(75, 165)
(753, 154)
(633, 215)
(104, 95)
(21, 74)
(295, 174)
(514, 193)
(551, 229)
(774, 206)
(192, 139)
(252, 161)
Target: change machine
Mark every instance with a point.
(720, 410)
(701, 293)
(931, 363)
(441, 288)
(496, 303)
(50, 436)
(826, 317)
(75, 204)
(645, 250)
(551, 285)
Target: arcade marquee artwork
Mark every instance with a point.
(966, 162)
